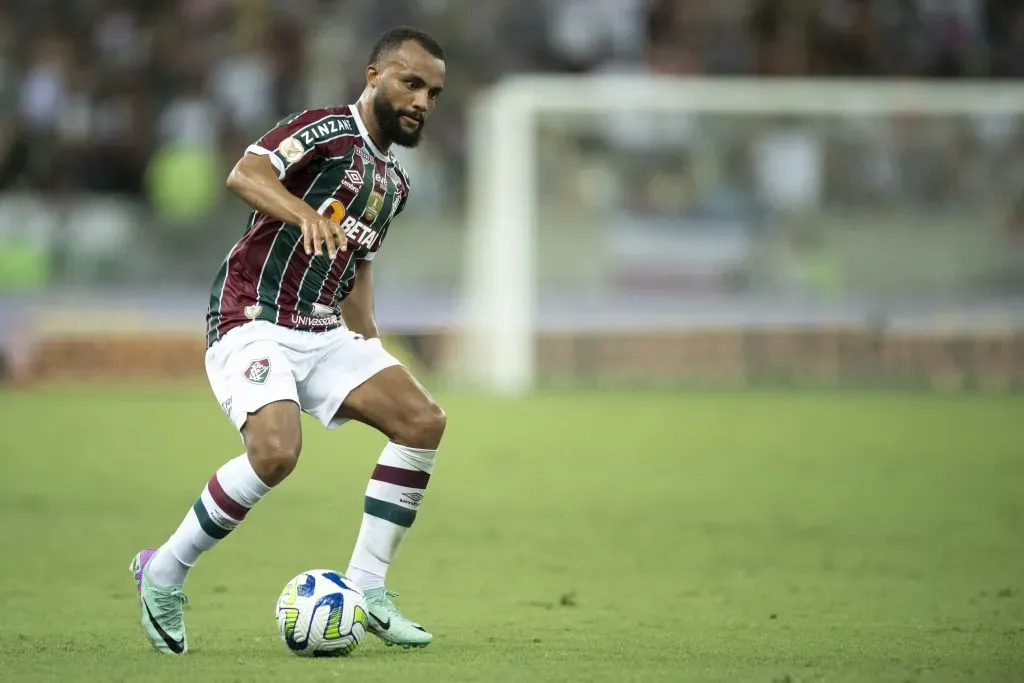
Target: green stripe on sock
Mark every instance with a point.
(208, 525)
(396, 514)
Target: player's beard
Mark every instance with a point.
(389, 120)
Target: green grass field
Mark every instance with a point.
(570, 537)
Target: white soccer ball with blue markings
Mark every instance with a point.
(321, 614)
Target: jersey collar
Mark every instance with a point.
(366, 135)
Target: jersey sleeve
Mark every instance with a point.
(298, 139)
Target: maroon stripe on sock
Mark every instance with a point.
(229, 505)
(413, 479)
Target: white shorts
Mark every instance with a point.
(259, 363)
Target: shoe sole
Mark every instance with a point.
(404, 646)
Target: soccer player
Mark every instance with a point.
(290, 327)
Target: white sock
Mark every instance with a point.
(392, 498)
(223, 504)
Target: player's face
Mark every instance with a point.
(408, 83)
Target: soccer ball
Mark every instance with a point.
(321, 614)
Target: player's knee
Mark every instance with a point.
(422, 428)
(274, 456)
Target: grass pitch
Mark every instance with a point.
(770, 537)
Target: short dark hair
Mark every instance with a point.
(394, 38)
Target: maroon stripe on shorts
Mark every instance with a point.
(413, 479)
(229, 505)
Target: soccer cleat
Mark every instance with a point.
(161, 608)
(388, 624)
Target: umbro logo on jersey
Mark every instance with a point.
(353, 180)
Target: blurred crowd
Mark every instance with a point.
(112, 95)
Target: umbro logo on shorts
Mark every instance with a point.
(258, 371)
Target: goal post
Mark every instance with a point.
(499, 307)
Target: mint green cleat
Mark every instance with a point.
(162, 609)
(388, 624)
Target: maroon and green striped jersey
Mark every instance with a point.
(326, 157)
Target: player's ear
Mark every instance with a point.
(372, 76)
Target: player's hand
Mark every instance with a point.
(320, 231)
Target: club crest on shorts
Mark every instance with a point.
(258, 371)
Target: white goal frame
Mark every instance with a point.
(498, 330)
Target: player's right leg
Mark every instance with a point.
(253, 381)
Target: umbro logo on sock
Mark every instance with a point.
(412, 498)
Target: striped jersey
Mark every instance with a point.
(325, 157)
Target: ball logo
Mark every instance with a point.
(291, 149)
(258, 371)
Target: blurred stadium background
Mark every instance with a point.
(792, 194)
(673, 246)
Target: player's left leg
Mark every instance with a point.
(396, 404)
(351, 378)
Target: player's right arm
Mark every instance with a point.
(255, 180)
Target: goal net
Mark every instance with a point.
(646, 230)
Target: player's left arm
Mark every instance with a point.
(357, 308)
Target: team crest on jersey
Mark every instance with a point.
(291, 149)
(258, 371)
(373, 206)
(252, 311)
